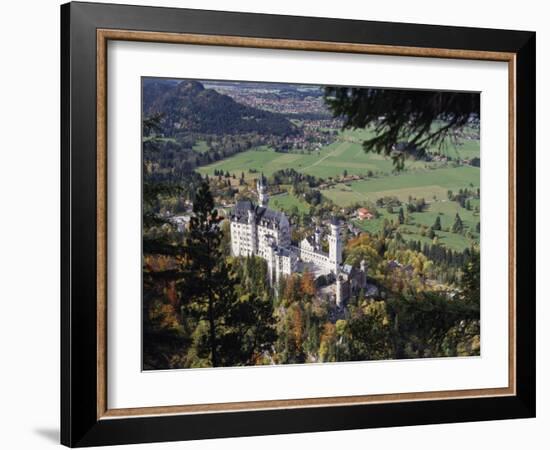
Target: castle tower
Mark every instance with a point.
(317, 238)
(339, 293)
(253, 231)
(261, 186)
(335, 245)
(271, 263)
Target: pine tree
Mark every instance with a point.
(205, 274)
(437, 224)
(401, 216)
(458, 226)
(471, 279)
(240, 328)
(415, 117)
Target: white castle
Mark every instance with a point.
(260, 231)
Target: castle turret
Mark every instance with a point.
(339, 293)
(335, 245)
(271, 262)
(317, 238)
(261, 186)
(253, 232)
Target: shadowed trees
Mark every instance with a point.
(405, 122)
(236, 322)
(194, 312)
(162, 337)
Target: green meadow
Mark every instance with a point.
(426, 183)
(411, 231)
(347, 154)
(420, 179)
(260, 160)
(287, 202)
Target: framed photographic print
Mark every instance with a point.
(276, 224)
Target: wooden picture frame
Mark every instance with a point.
(86, 418)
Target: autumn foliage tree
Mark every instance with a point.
(162, 334)
(370, 333)
(308, 284)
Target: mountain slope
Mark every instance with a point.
(189, 107)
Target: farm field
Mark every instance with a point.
(450, 240)
(418, 183)
(445, 209)
(258, 160)
(468, 149)
(345, 154)
(286, 202)
(420, 179)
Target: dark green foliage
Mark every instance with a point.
(463, 197)
(207, 283)
(416, 205)
(470, 279)
(476, 162)
(233, 304)
(161, 340)
(293, 177)
(388, 201)
(422, 324)
(370, 334)
(396, 116)
(192, 313)
(442, 256)
(458, 226)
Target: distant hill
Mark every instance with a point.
(188, 107)
(154, 88)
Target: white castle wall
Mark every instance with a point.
(316, 257)
(264, 239)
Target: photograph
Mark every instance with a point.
(278, 223)
(298, 223)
